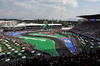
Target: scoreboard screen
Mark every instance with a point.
(94, 19)
(97, 19)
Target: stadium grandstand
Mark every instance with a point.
(91, 27)
(7, 25)
(39, 26)
(16, 26)
(23, 44)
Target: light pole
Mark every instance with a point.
(61, 11)
(52, 20)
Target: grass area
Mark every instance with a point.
(55, 35)
(42, 44)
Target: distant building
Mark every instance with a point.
(8, 23)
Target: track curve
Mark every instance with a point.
(59, 44)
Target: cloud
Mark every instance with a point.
(5, 1)
(24, 13)
(73, 3)
(7, 13)
(24, 4)
(35, 9)
(1, 10)
(52, 3)
(33, 1)
(93, 0)
(85, 5)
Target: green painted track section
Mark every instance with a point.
(42, 44)
(56, 35)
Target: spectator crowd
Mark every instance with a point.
(88, 28)
(39, 59)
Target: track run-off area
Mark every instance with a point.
(49, 42)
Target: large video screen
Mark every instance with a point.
(94, 19)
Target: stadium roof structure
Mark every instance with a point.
(96, 16)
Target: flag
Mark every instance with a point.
(63, 37)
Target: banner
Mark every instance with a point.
(69, 44)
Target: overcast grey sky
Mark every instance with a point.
(48, 9)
